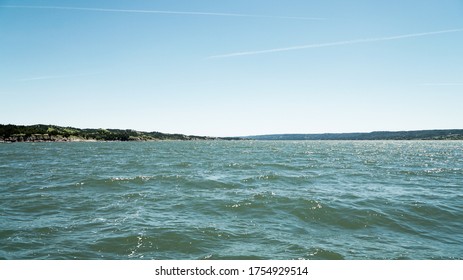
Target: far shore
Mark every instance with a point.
(52, 133)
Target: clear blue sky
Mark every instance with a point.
(232, 68)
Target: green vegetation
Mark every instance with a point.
(53, 133)
(447, 134)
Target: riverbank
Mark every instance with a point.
(53, 133)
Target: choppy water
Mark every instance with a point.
(232, 200)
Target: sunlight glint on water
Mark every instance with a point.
(232, 200)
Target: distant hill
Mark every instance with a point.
(53, 133)
(445, 134)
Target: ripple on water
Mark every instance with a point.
(232, 200)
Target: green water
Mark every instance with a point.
(232, 200)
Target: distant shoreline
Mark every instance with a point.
(51, 133)
(438, 134)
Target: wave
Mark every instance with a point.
(233, 200)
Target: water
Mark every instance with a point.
(232, 200)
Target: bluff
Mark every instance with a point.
(53, 133)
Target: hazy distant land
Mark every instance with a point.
(441, 134)
(53, 133)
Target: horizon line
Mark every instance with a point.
(355, 132)
(265, 134)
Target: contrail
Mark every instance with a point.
(441, 84)
(39, 78)
(159, 12)
(339, 43)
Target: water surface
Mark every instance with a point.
(232, 200)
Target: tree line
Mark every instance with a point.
(40, 132)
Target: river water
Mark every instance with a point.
(232, 200)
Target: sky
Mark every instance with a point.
(233, 68)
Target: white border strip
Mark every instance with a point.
(316, 270)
